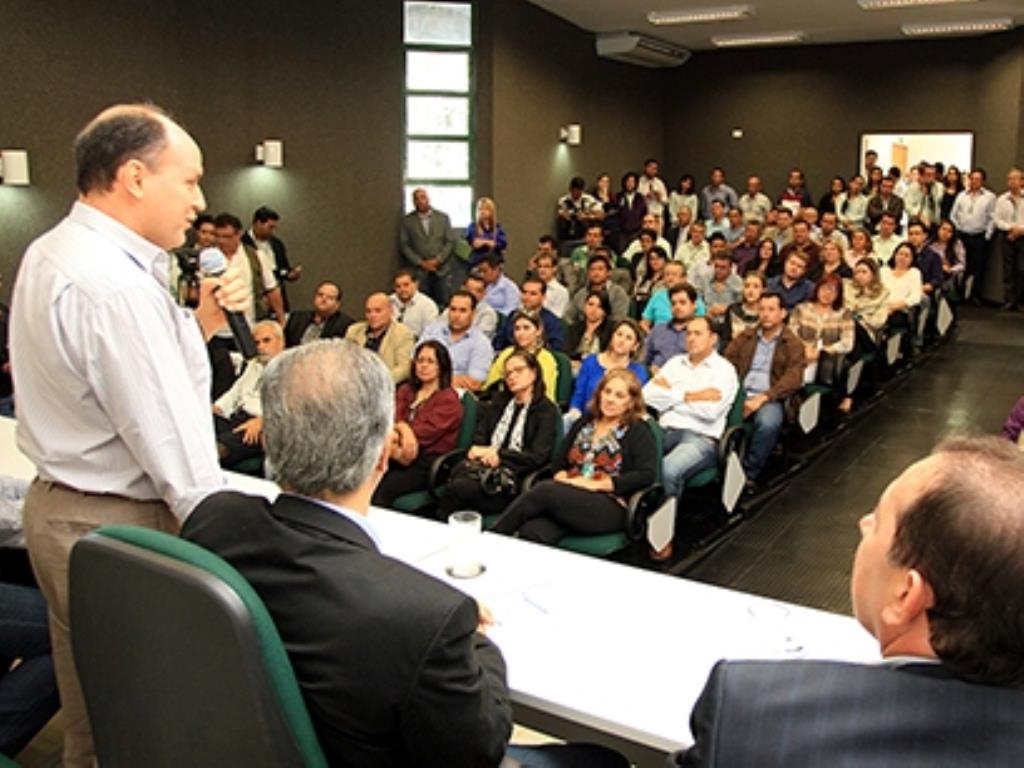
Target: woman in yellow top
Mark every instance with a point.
(528, 332)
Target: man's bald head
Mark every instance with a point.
(377, 311)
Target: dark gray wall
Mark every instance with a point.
(323, 76)
(545, 73)
(808, 106)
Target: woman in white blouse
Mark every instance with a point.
(903, 281)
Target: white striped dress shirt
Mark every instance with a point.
(112, 376)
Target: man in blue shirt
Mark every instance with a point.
(659, 308)
(791, 285)
(469, 349)
(668, 339)
(500, 291)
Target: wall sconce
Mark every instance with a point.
(571, 134)
(270, 153)
(14, 168)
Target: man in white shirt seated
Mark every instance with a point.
(754, 203)
(411, 308)
(693, 394)
(651, 222)
(556, 295)
(485, 319)
(885, 242)
(238, 413)
(694, 250)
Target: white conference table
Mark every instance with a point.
(595, 649)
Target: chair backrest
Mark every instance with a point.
(179, 660)
(563, 387)
(735, 417)
(468, 423)
(659, 440)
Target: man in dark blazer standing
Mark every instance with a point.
(938, 579)
(426, 242)
(393, 664)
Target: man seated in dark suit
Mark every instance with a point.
(938, 579)
(393, 664)
(324, 321)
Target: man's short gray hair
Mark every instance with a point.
(273, 325)
(328, 407)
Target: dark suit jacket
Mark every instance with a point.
(388, 659)
(824, 714)
(298, 321)
(416, 246)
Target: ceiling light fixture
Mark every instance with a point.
(700, 15)
(978, 27)
(889, 5)
(773, 38)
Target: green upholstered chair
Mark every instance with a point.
(179, 660)
(6, 762)
(417, 500)
(563, 388)
(638, 507)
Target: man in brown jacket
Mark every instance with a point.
(769, 359)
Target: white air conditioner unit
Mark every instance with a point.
(640, 49)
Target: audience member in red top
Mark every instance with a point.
(427, 416)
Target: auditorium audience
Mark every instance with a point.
(258, 275)
(573, 269)
(624, 345)
(500, 291)
(411, 308)
(952, 186)
(720, 289)
(769, 359)
(514, 435)
(716, 189)
(802, 244)
(485, 234)
(791, 285)
(324, 321)
(781, 232)
(693, 394)
(694, 249)
(744, 313)
(238, 413)
(556, 295)
(427, 416)
(953, 257)
(531, 301)
(717, 222)
(608, 455)
(262, 236)
(653, 277)
(598, 273)
(592, 330)
(831, 200)
(426, 241)
(944, 539)
(632, 208)
(380, 333)
(795, 195)
(527, 336)
(659, 309)
(829, 231)
(868, 301)
(631, 258)
(668, 339)
(885, 201)
(745, 252)
(485, 317)
(825, 327)
(469, 349)
(882, 244)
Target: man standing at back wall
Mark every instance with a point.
(112, 376)
(426, 242)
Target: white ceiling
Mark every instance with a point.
(823, 21)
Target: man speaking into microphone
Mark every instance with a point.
(112, 375)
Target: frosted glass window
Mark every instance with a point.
(434, 71)
(456, 201)
(438, 24)
(437, 116)
(437, 160)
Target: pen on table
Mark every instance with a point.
(534, 603)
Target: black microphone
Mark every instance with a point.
(213, 263)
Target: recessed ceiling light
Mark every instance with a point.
(888, 5)
(979, 27)
(700, 15)
(773, 38)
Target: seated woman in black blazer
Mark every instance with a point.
(514, 435)
(609, 455)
